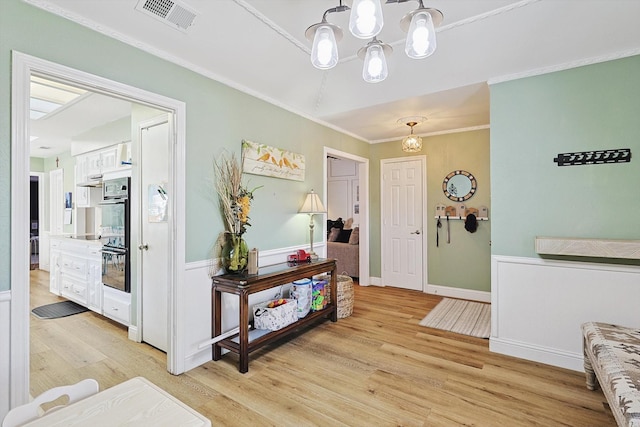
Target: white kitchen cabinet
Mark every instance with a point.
(54, 266)
(76, 271)
(116, 305)
(109, 159)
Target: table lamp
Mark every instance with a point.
(312, 205)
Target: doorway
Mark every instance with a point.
(361, 193)
(24, 66)
(403, 202)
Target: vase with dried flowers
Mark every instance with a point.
(235, 204)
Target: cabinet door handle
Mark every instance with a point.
(144, 247)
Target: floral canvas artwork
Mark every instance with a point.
(262, 159)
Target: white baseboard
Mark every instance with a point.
(375, 281)
(133, 333)
(468, 294)
(199, 358)
(546, 355)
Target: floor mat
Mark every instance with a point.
(58, 309)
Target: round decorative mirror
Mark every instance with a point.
(459, 186)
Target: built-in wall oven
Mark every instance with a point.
(115, 232)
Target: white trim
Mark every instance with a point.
(19, 330)
(363, 174)
(5, 351)
(564, 66)
(468, 294)
(425, 264)
(547, 355)
(22, 68)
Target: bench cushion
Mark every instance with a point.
(614, 353)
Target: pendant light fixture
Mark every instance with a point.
(366, 18)
(411, 143)
(421, 34)
(325, 37)
(375, 61)
(366, 21)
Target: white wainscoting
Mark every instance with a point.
(5, 348)
(537, 306)
(198, 303)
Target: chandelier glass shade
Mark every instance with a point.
(421, 35)
(412, 143)
(366, 21)
(324, 53)
(375, 61)
(366, 18)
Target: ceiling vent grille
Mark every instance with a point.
(173, 13)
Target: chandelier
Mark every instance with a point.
(411, 143)
(366, 22)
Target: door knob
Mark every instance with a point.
(415, 232)
(145, 247)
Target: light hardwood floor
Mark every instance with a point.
(375, 368)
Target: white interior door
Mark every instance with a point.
(402, 223)
(155, 197)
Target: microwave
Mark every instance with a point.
(115, 189)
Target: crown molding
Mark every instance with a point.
(564, 66)
(442, 132)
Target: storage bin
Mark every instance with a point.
(274, 318)
(319, 296)
(345, 296)
(301, 292)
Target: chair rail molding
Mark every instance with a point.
(597, 248)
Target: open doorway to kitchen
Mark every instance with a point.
(24, 68)
(347, 189)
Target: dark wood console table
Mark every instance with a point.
(268, 277)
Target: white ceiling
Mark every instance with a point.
(258, 46)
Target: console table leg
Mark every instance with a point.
(244, 332)
(216, 323)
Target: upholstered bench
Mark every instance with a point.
(612, 358)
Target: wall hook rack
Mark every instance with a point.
(622, 155)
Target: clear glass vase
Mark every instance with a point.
(235, 254)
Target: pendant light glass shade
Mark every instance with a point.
(421, 35)
(412, 143)
(366, 19)
(375, 64)
(324, 53)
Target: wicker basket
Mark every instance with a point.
(345, 296)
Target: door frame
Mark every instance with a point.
(23, 66)
(363, 174)
(425, 262)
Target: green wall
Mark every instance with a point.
(534, 119)
(36, 164)
(465, 262)
(218, 118)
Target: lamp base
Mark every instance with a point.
(313, 255)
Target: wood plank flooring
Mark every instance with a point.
(377, 367)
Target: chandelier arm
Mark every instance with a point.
(340, 8)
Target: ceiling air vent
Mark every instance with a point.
(173, 13)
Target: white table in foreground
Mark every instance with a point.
(136, 402)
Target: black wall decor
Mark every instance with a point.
(622, 155)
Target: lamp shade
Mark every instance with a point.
(312, 204)
(375, 63)
(421, 37)
(366, 18)
(324, 53)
